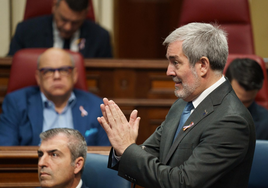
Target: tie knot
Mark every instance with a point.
(189, 106)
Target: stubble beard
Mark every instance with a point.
(186, 89)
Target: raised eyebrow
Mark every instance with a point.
(172, 58)
(52, 151)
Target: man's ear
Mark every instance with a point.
(37, 77)
(204, 65)
(79, 163)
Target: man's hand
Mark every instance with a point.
(121, 133)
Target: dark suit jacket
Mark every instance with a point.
(22, 119)
(37, 33)
(216, 152)
(260, 118)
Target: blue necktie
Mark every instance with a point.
(184, 116)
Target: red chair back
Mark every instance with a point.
(24, 65)
(35, 8)
(232, 16)
(262, 96)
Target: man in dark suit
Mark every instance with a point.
(61, 158)
(246, 77)
(55, 103)
(214, 147)
(67, 28)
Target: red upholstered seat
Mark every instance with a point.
(262, 96)
(36, 8)
(232, 16)
(24, 65)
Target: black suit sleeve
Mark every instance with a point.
(16, 42)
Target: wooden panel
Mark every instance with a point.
(140, 27)
(134, 84)
(151, 111)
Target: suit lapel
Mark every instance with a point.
(79, 122)
(204, 109)
(48, 33)
(172, 122)
(83, 41)
(35, 115)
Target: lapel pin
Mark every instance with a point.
(83, 111)
(81, 43)
(205, 113)
(188, 126)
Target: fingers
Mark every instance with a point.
(120, 132)
(105, 101)
(136, 125)
(110, 117)
(102, 107)
(134, 121)
(133, 117)
(113, 114)
(114, 110)
(120, 114)
(104, 124)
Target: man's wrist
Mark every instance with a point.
(117, 157)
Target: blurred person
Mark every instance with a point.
(67, 28)
(246, 77)
(55, 103)
(61, 158)
(208, 137)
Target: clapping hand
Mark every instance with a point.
(121, 133)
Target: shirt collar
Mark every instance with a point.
(79, 184)
(206, 92)
(49, 104)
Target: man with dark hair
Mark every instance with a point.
(246, 77)
(208, 137)
(61, 158)
(67, 28)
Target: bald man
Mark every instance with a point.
(54, 104)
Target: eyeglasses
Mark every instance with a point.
(63, 71)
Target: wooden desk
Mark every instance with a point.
(18, 165)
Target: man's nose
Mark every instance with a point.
(56, 74)
(170, 70)
(67, 26)
(42, 161)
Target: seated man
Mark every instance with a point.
(55, 103)
(61, 158)
(246, 77)
(67, 28)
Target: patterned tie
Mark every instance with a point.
(184, 116)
